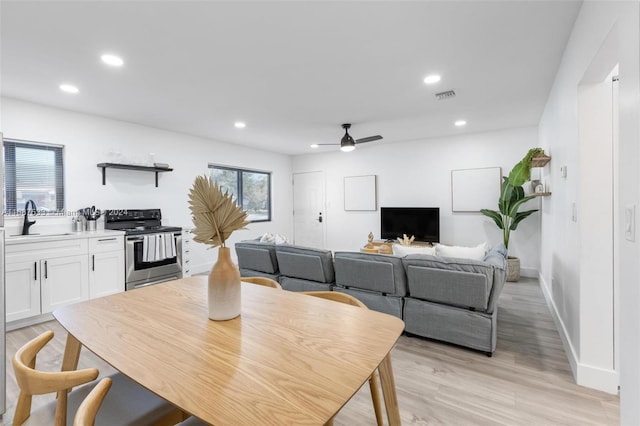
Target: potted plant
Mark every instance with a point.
(216, 215)
(511, 198)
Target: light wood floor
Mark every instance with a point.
(528, 380)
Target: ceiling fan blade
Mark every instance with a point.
(369, 139)
(326, 144)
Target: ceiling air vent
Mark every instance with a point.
(445, 95)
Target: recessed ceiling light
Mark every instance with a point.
(69, 88)
(460, 123)
(113, 60)
(433, 78)
(240, 124)
(315, 145)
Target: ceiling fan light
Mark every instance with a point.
(347, 148)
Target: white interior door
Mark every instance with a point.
(308, 209)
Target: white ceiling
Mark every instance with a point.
(293, 71)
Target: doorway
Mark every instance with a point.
(308, 209)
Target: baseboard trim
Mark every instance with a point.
(598, 378)
(562, 330)
(584, 375)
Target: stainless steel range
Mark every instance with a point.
(153, 253)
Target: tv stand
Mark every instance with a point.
(377, 245)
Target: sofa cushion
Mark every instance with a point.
(257, 256)
(387, 304)
(453, 281)
(305, 263)
(476, 253)
(460, 326)
(372, 272)
(464, 289)
(296, 284)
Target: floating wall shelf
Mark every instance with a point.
(156, 170)
(540, 160)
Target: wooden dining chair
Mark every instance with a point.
(267, 282)
(373, 380)
(86, 414)
(128, 404)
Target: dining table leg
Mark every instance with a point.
(71, 354)
(389, 391)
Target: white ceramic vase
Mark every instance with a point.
(224, 288)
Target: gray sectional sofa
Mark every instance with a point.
(448, 299)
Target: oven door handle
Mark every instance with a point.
(139, 238)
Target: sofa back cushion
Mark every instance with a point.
(305, 263)
(452, 281)
(372, 272)
(257, 256)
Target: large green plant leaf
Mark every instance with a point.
(519, 217)
(496, 216)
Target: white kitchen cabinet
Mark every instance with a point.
(106, 266)
(42, 276)
(63, 280)
(22, 290)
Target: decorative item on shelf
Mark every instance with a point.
(369, 241)
(406, 241)
(215, 216)
(385, 248)
(511, 198)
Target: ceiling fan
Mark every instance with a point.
(347, 143)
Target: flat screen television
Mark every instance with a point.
(421, 222)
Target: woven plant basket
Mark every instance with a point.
(513, 269)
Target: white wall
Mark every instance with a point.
(89, 139)
(558, 129)
(418, 174)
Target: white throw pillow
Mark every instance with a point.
(267, 238)
(400, 250)
(280, 239)
(476, 253)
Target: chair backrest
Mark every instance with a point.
(86, 414)
(267, 282)
(337, 297)
(33, 382)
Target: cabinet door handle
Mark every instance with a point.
(107, 239)
(35, 271)
(46, 270)
(93, 261)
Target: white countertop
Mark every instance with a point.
(53, 236)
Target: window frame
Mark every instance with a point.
(239, 171)
(10, 184)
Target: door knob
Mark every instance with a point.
(320, 217)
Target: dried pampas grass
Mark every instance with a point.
(215, 214)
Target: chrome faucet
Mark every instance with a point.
(27, 223)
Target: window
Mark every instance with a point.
(33, 172)
(251, 188)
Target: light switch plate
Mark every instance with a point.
(563, 171)
(630, 222)
(574, 212)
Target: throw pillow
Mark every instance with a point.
(267, 238)
(280, 239)
(475, 253)
(400, 250)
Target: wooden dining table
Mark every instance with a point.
(287, 359)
